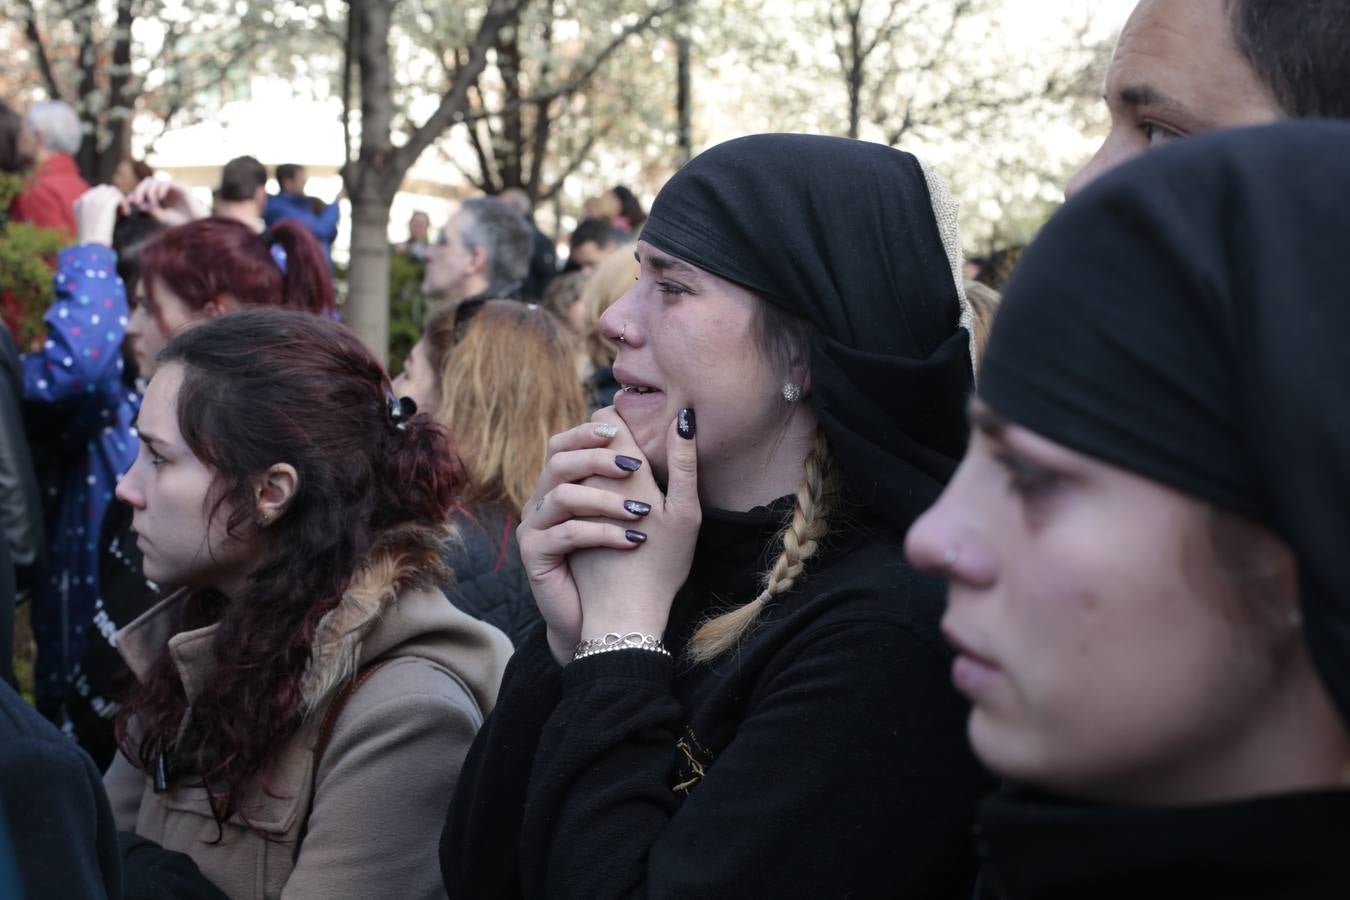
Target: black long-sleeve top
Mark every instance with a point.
(1278, 847)
(827, 758)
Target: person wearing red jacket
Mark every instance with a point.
(49, 199)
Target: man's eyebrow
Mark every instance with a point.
(1146, 96)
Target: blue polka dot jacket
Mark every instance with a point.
(83, 411)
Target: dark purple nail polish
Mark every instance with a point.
(685, 424)
(628, 463)
(636, 537)
(637, 507)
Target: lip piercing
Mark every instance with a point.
(622, 332)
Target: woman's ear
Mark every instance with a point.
(219, 306)
(274, 491)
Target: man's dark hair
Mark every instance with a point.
(287, 171)
(240, 179)
(598, 232)
(130, 234)
(1298, 49)
(505, 237)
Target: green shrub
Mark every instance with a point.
(25, 267)
(407, 307)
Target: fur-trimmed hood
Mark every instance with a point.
(392, 608)
(384, 612)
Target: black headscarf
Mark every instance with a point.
(1187, 318)
(843, 234)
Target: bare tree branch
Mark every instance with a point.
(487, 177)
(581, 78)
(578, 157)
(453, 102)
(459, 167)
(543, 121)
(34, 34)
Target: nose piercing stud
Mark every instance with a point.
(949, 558)
(622, 332)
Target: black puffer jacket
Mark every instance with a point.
(490, 581)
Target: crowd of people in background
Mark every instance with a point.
(748, 543)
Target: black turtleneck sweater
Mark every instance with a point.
(827, 758)
(1288, 847)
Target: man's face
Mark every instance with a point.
(419, 226)
(296, 183)
(588, 254)
(453, 270)
(1177, 71)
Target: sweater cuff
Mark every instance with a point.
(82, 256)
(533, 661)
(657, 669)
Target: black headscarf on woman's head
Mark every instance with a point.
(843, 234)
(1187, 318)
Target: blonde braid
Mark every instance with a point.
(801, 536)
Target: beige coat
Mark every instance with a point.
(385, 781)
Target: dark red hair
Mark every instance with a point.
(262, 387)
(213, 258)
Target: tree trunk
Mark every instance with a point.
(509, 148)
(121, 107)
(367, 307)
(855, 59)
(368, 180)
(684, 139)
(86, 20)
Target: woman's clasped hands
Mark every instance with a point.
(604, 548)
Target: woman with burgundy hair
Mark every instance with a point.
(217, 265)
(306, 695)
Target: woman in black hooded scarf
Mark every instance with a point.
(741, 685)
(1147, 540)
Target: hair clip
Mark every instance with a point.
(400, 410)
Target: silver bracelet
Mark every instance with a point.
(633, 640)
